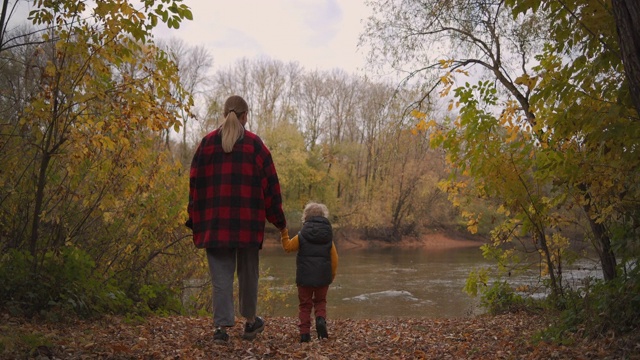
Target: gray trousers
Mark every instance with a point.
(222, 266)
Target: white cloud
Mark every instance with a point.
(319, 34)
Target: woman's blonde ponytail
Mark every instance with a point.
(232, 129)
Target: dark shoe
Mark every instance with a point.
(220, 336)
(321, 328)
(305, 338)
(252, 330)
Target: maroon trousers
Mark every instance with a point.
(311, 298)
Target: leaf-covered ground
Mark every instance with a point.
(485, 337)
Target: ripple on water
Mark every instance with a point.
(402, 270)
(383, 294)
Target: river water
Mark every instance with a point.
(382, 283)
(394, 282)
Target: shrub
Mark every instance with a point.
(59, 283)
(497, 298)
(65, 283)
(500, 298)
(159, 299)
(601, 306)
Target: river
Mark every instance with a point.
(393, 282)
(383, 283)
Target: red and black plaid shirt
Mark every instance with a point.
(231, 194)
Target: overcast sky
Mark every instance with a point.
(319, 34)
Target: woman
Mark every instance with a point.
(233, 188)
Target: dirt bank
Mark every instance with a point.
(432, 241)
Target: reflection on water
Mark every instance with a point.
(378, 283)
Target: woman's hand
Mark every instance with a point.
(284, 235)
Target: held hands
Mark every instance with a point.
(284, 236)
(288, 244)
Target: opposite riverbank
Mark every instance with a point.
(436, 241)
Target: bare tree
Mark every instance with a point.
(457, 35)
(372, 116)
(266, 84)
(343, 97)
(312, 100)
(194, 64)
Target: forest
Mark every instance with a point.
(516, 121)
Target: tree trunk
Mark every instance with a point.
(556, 290)
(605, 252)
(607, 258)
(37, 210)
(50, 145)
(627, 16)
(3, 19)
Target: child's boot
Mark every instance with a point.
(321, 328)
(305, 338)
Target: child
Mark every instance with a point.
(316, 265)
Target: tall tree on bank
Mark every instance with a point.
(587, 102)
(80, 147)
(455, 37)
